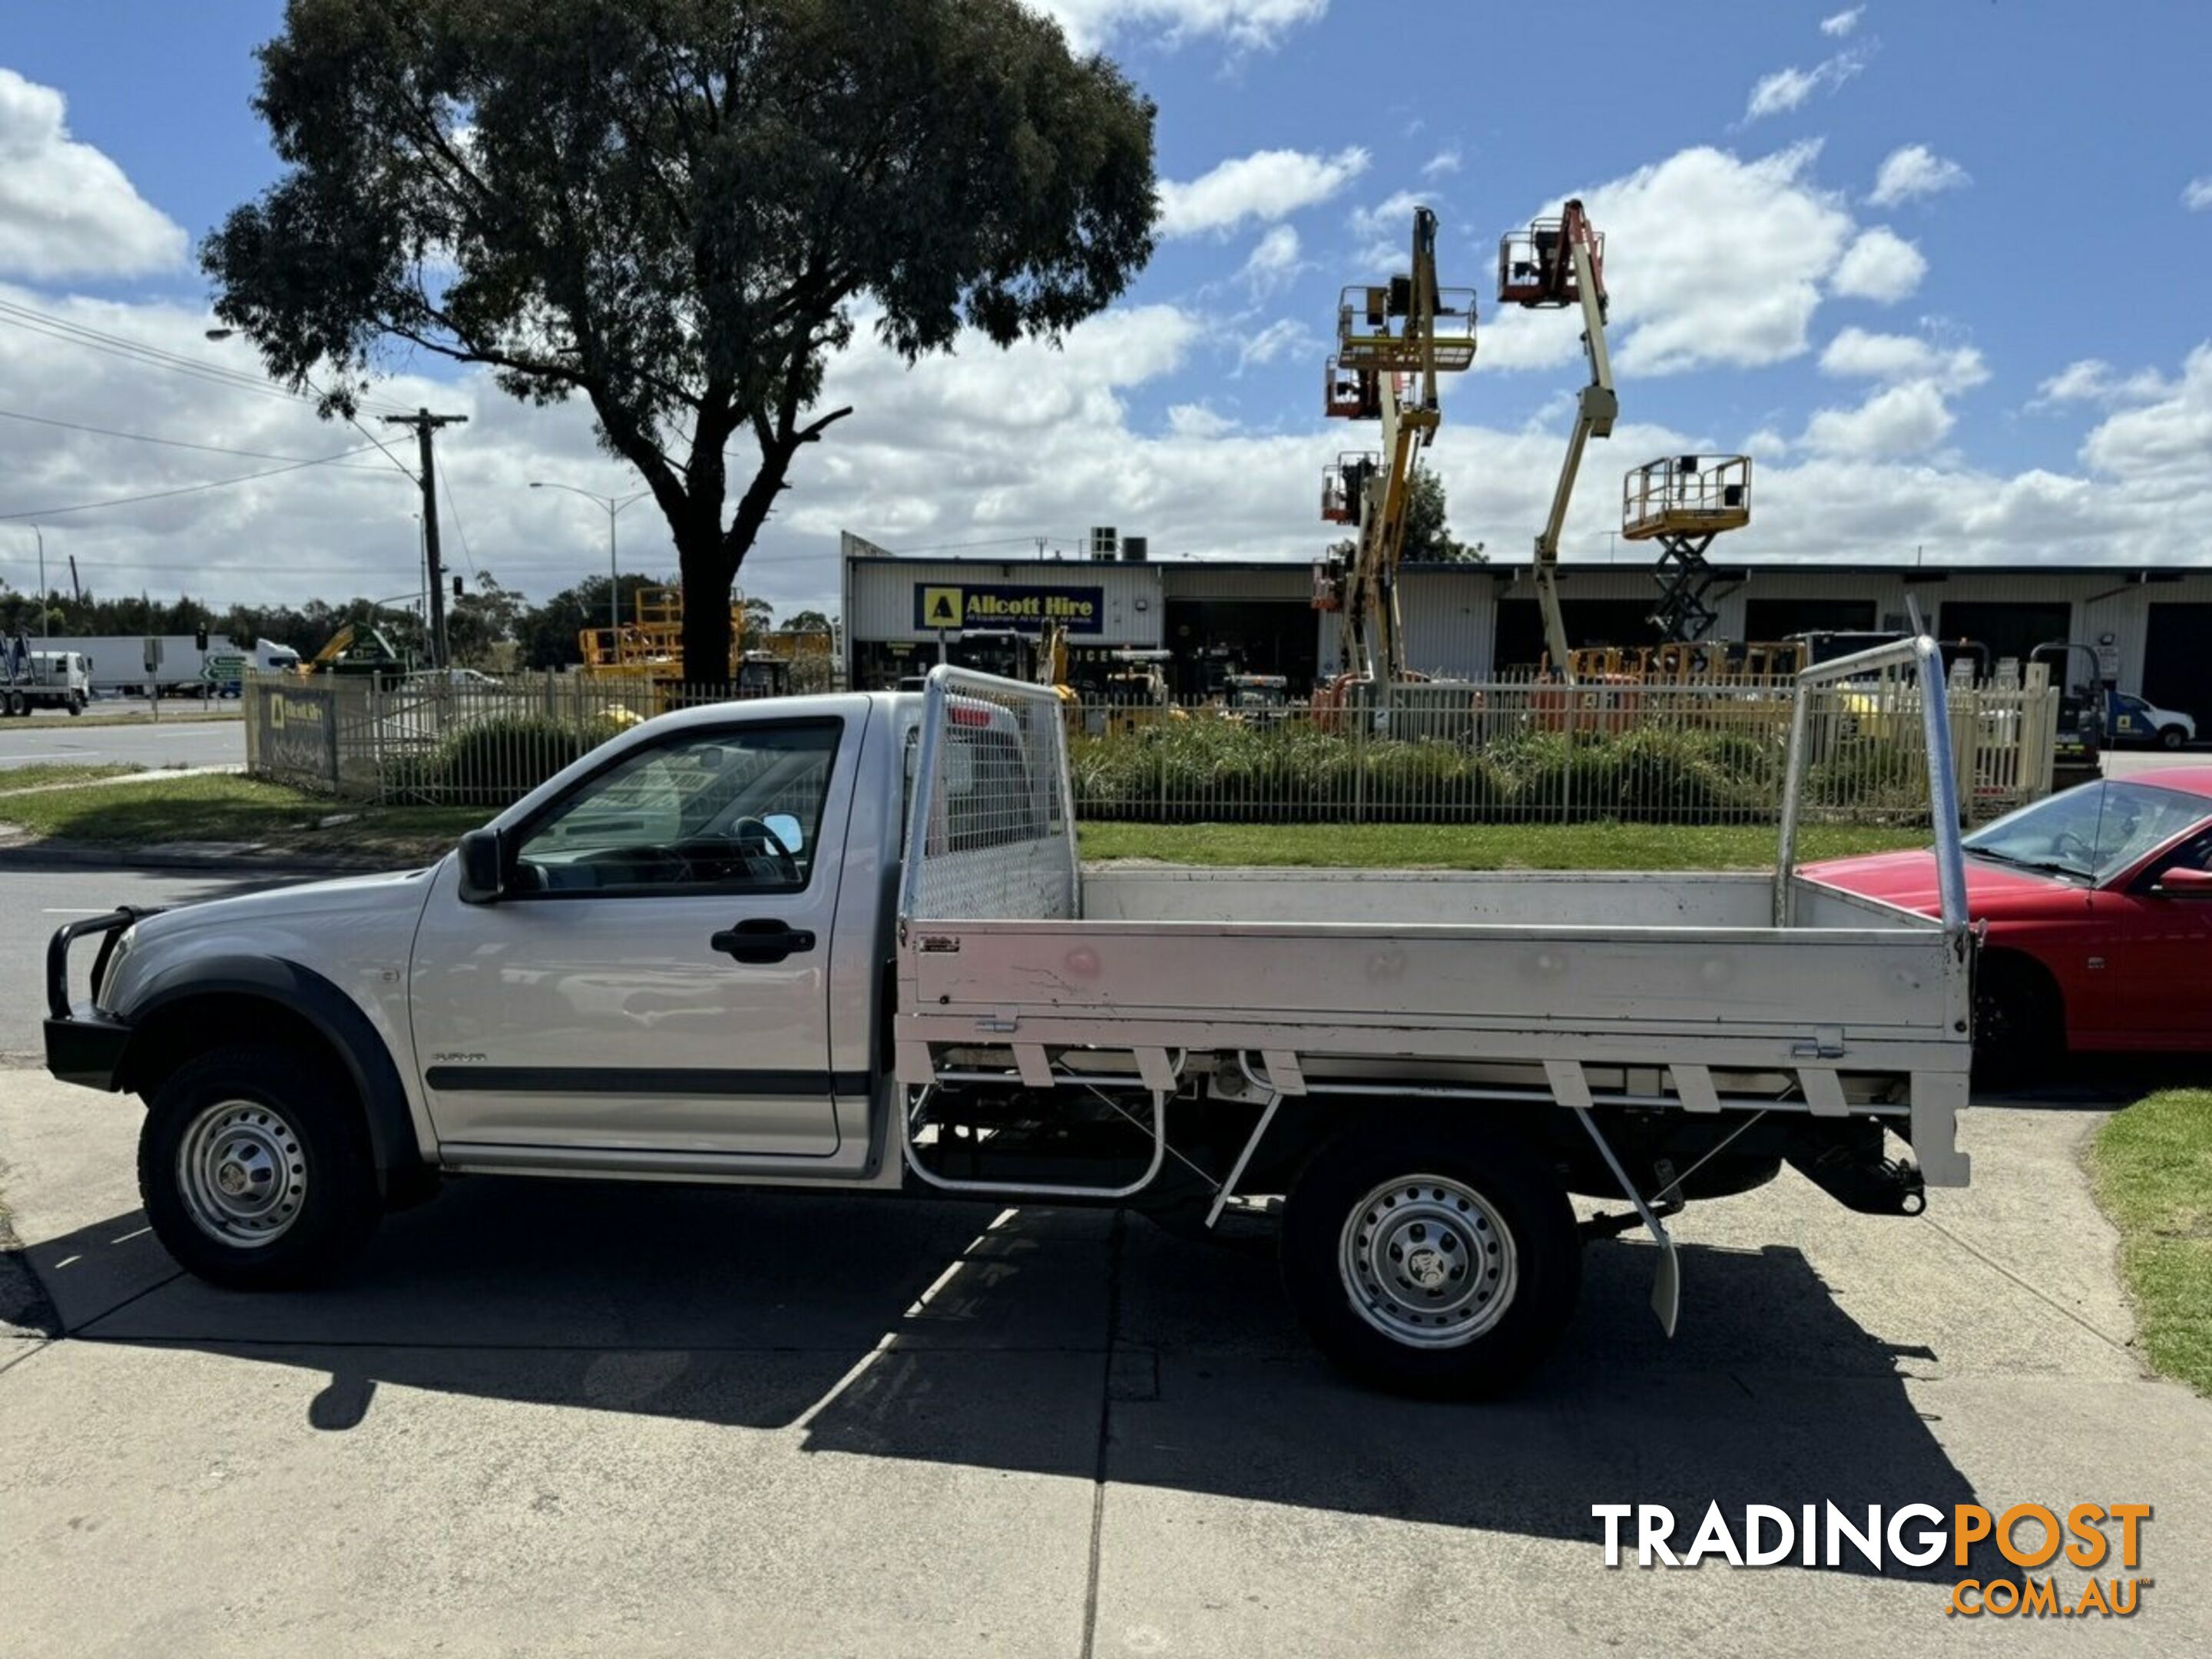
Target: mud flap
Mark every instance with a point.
(1666, 1284)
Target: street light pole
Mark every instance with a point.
(46, 615)
(611, 506)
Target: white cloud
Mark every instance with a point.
(1444, 161)
(1842, 24)
(1912, 171)
(1680, 297)
(1786, 88)
(1272, 261)
(1895, 358)
(1897, 421)
(2094, 381)
(1199, 420)
(1386, 233)
(2197, 194)
(1879, 265)
(1254, 24)
(2164, 443)
(1030, 442)
(1265, 185)
(1285, 336)
(65, 209)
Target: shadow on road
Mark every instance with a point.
(2103, 1082)
(1066, 1343)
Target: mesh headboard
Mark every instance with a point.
(991, 833)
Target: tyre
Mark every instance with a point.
(17, 704)
(254, 1168)
(77, 703)
(2172, 737)
(1438, 1261)
(2020, 1022)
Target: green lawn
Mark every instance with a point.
(2153, 1165)
(224, 806)
(40, 774)
(228, 807)
(135, 715)
(1485, 846)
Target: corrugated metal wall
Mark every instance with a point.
(1451, 620)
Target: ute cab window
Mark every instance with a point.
(720, 811)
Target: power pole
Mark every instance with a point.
(424, 423)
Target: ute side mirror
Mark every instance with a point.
(2182, 882)
(484, 866)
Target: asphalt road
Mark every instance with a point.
(39, 901)
(570, 1417)
(56, 737)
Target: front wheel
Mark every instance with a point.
(2020, 1022)
(2172, 737)
(77, 703)
(1438, 1261)
(254, 1167)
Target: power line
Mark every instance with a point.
(117, 345)
(179, 443)
(454, 508)
(183, 490)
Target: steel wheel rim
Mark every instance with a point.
(1428, 1261)
(242, 1173)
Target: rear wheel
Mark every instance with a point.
(17, 704)
(1438, 1261)
(254, 1168)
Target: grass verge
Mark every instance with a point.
(2153, 1168)
(170, 716)
(1485, 846)
(225, 808)
(42, 775)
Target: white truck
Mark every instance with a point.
(117, 661)
(32, 677)
(843, 942)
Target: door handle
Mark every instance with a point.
(762, 941)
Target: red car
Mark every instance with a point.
(2099, 907)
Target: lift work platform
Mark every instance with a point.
(1393, 340)
(1682, 502)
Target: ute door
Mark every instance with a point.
(654, 978)
(2156, 942)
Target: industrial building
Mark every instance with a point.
(2151, 628)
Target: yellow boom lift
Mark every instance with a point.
(1392, 342)
(1554, 263)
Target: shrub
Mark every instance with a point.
(496, 761)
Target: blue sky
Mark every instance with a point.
(1993, 354)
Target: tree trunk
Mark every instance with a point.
(707, 575)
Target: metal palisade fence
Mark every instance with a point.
(1442, 752)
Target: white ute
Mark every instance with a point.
(844, 943)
